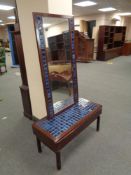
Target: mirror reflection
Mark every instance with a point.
(58, 50)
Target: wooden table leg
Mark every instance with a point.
(98, 124)
(39, 145)
(58, 160)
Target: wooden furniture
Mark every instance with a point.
(61, 73)
(126, 49)
(65, 119)
(59, 47)
(24, 87)
(110, 42)
(84, 47)
(2, 60)
(64, 127)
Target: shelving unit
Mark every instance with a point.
(110, 42)
(59, 47)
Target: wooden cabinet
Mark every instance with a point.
(126, 49)
(59, 47)
(84, 47)
(110, 42)
(24, 87)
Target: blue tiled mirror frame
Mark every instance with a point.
(40, 38)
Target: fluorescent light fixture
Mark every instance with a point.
(2, 24)
(108, 9)
(85, 3)
(1, 20)
(46, 25)
(124, 14)
(11, 17)
(6, 7)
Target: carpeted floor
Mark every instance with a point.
(105, 153)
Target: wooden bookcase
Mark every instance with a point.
(59, 47)
(110, 42)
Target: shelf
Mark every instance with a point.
(58, 46)
(112, 38)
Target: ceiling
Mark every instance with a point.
(120, 5)
(5, 14)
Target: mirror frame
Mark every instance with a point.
(40, 38)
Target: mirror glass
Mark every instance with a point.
(58, 53)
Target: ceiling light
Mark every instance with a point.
(2, 24)
(124, 14)
(6, 7)
(1, 20)
(85, 3)
(108, 9)
(46, 25)
(11, 17)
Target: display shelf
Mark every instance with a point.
(112, 37)
(61, 45)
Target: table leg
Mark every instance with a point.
(98, 123)
(39, 145)
(58, 160)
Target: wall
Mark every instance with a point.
(63, 7)
(100, 20)
(57, 29)
(127, 22)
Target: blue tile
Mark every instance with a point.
(62, 122)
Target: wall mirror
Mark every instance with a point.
(55, 41)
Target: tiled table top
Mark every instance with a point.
(65, 120)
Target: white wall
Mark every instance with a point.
(127, 22)
(100, 20)
(63, 7)
(57, 29)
